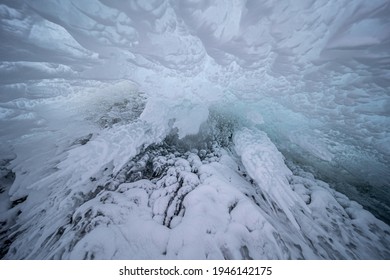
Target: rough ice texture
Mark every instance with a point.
(87, 87)
(169, 204)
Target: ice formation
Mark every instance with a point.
(194, 129)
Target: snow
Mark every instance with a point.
(194, 130)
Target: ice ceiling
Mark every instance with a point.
(314, 75)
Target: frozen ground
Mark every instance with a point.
(191, 130)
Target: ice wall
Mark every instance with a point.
(314, 75)
(316, 71)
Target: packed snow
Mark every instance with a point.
(167, 129)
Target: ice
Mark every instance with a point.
(266, 166)
(187, 129)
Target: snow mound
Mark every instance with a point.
(177, 200)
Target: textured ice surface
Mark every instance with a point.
(194, 129)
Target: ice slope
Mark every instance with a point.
(225, 193)
(194, 129)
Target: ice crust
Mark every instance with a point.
(211, 203)
(194, 129)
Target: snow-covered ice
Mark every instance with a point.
(232, 129)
